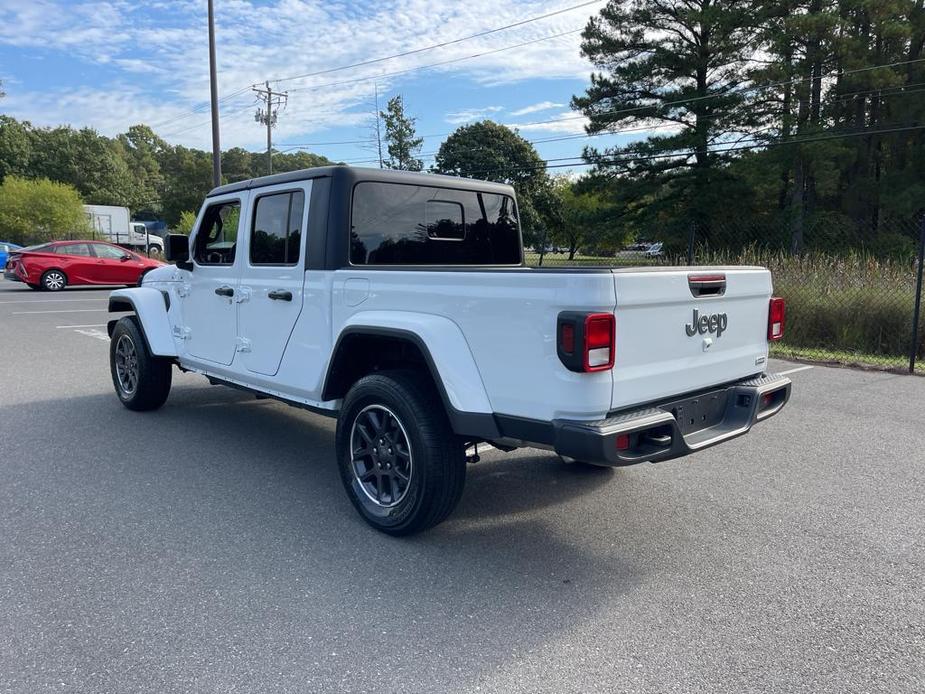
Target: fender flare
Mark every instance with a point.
(150, 306)
(448, 357)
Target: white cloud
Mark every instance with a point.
(471, 114)
(567, 123)
(536, 108)
(160, 49)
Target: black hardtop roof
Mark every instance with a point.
(349, 175)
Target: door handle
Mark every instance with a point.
(225, 291)
(280, 295)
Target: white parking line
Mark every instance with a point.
(52, 301)
(793, 371)
(90, 325)
(98, 334)
(73, 310)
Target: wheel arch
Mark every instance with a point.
(361, 349)
(150, 307)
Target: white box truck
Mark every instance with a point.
(112, 223)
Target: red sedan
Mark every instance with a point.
(53, 266)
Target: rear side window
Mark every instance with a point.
(277, 231)
(398, 224)
(73, 249)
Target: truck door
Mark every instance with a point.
(209, 308)
(273, 274)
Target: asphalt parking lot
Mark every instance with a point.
(209, 547)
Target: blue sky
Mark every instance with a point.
(111, 64)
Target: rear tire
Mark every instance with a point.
(142, 381)
(53, 281)
(400, 462)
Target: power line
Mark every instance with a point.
(719, 149)
(443, 44)
(224, 115)
(391, 74)
(202, 108)
(897, 90)
(481, 54)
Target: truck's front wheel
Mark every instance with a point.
(142, 380)
(401, 464)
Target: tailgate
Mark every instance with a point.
(686, 329)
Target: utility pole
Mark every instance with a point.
(269, 115)
(378, 131)
(213, 85)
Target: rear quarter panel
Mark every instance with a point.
(507, 319)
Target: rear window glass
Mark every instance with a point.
(399, 224)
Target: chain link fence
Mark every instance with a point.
(847, 303)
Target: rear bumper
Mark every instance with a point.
(676, 427)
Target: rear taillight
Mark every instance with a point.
(776, 316)
(586, 342)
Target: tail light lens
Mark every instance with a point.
(586, 341)
(776, 317)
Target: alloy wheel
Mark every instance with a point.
(380, 455)
(54, 281)
(126, 364)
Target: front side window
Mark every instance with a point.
(73, 249)
(218, 234)
(108, 252)
(276, 234)
(399, 224)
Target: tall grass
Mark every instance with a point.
(852, 303)
(851, 307)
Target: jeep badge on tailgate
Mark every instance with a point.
(715, 323)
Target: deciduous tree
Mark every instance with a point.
(32, 211)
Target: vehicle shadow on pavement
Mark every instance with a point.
(223, 510)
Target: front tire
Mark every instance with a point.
(400, 462)
(142, 381)
(53, 281)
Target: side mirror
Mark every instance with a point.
(176, 250)
(125, 256)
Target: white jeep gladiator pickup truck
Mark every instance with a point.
(400, 304)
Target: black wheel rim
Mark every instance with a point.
(380, 456)
(126, 364)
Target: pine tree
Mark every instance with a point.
(677, 64)
(403, 146)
